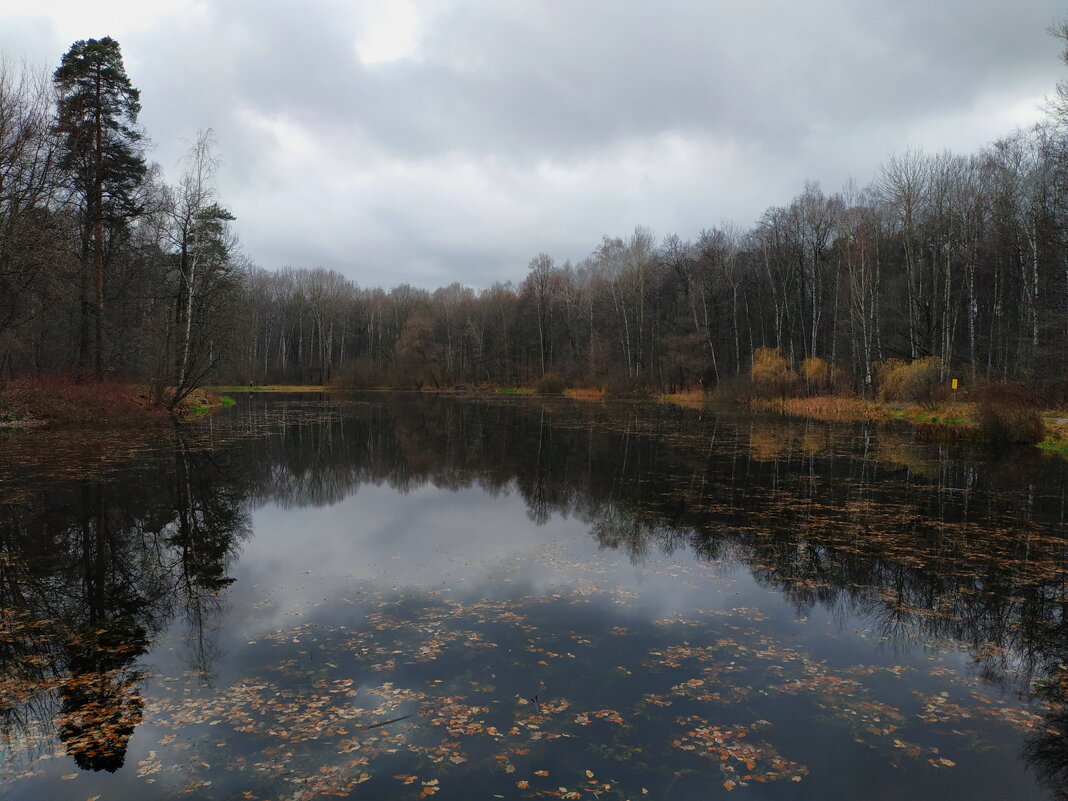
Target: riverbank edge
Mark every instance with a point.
(28, 404)
(37, 403)
(949, 420)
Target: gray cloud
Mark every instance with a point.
(532, 125)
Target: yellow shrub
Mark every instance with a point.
(915, 382)
(771, 372)
(817, 374)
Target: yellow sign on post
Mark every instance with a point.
(954, 383)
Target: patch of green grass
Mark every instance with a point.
(226, 400)
(515, 391)
(1055, 445)
(932, 418)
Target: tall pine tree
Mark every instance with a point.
(97, 121)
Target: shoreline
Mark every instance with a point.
(49, 402)
(28, 404)
(946, 420)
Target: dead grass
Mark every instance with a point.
(202, 401)
(963, 414)
(829, 408)
(833, 409)
(691, 398)
(585, 394)
(66, 400)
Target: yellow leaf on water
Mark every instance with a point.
(69, 776)
(729, 785)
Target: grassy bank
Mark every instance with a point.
(201, 402)
(1056, 439)
(950, 420)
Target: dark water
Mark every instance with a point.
(406, 596)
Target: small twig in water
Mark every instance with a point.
(386, 722)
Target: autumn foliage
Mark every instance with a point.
(771, 373)
(915, 381)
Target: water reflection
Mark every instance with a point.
(91, 573)
(923, 544)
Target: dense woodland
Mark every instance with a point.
(106, 269)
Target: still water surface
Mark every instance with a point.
(400, 596)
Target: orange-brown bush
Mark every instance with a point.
(771, 373)
(916, 382)
(816, 373)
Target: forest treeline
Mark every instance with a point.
(105, 268)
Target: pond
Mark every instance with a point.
(404, 596)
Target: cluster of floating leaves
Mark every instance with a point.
(435, 694)
(339, 706)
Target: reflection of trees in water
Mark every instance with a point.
(93, 572)
(923, 543)
(1047, 748)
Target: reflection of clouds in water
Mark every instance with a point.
(469, 542)
(854, 556)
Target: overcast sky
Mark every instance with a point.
(433, 141)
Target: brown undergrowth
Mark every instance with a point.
(586, 394)
(829, 408)
(28, 401)
(690, 398)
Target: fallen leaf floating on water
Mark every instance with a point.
(302, 712)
